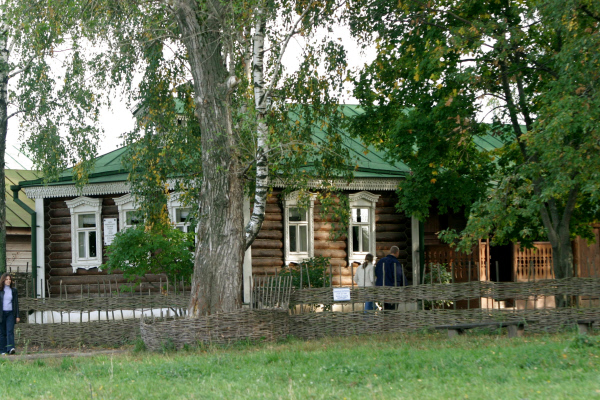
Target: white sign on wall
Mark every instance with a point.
(341, 294)
(110, 230)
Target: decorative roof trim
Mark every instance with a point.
(293, 197)
(128, 198)
(93, 189)
(364, 196)
(83, 200)
(96, 189)
(385, 184)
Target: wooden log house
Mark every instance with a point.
(18, 224)
(72, 223)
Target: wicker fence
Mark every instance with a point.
(112, 327)
(222, 328)
(111, 319)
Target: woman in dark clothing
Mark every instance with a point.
(9, 299)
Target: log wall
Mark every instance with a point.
(391, 229)
(57, 240)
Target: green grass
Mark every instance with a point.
(416, 366)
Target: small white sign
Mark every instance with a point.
(341, 294)
(110, 230)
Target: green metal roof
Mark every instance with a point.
(370, 162)
(16, 217)
(107, 168)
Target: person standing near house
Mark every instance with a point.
(365, 277)
(388, 272)
(9, 298)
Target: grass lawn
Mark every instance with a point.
(414, 366)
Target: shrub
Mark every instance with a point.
(137, 251)
(315, 273)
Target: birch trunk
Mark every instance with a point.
(4, 72)
(217, 278)
(262, 162)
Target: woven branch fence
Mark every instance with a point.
(254, 324)
(92, 333)
(308, 326)
(589, 287)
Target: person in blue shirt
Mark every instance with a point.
(388, 272)
(9, 299)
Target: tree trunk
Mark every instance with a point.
(4, 71)
(562, 259)
(262, 106)
(217, 278)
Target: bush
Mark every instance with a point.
(315, 273)
(137, 251)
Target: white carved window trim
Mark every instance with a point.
(80, 206)
(362, 200)
(125, 204)
(175, 204)
(291, 201)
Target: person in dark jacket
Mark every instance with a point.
(388, 272)
(9, 298)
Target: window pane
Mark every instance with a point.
(355, 238)
(92, 243)
(87, 221)
(365, 238)
(132, 218)
(360, 215)
(81, 238)
(182, 215)
(297, 214)
(303, 238)
(293, 246)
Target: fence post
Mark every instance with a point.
(469, 299)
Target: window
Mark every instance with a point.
(86, 232)
(298, 230)
(128, 213)
(180, 215)
(299, 236)
(361, 232)
(182, 219)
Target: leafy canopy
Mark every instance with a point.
(448, 74)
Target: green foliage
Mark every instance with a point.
(137, 251)
(585, 341)
(438, 274)
(168, 346)
(444, 69)
(314, 272)
(139, 346)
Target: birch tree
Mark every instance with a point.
(233, 121)
(26, 85)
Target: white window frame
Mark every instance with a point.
(173, 205)
(80, 206)
(125, 204)
(362, 200)
(291, 201)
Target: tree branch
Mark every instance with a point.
(277, 65)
